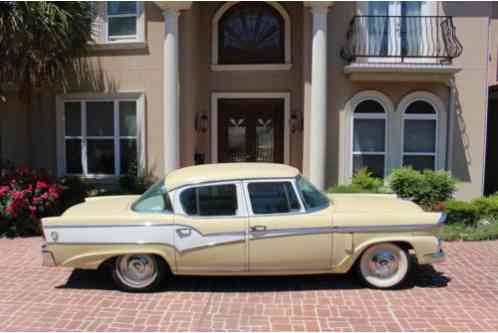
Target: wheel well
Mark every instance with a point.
(406, 246)
(110, 261)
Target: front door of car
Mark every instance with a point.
(282, 235)
(210, 228)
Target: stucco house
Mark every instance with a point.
(327, 87)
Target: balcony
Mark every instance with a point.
(396, 44)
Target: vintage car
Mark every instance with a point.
(243, 219)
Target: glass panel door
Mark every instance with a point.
(250, 130)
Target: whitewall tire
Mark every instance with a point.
(138, 272)
(384, 266)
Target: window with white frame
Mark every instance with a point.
(420, 130)
(100, 136)
(122, 20)
(369, 138)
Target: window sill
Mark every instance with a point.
(262, 67)
(124, 45)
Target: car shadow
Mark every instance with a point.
(423, 276)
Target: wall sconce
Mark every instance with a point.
(201, 122)
(296, 122)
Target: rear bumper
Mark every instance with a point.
(435, 258)
(47, 257)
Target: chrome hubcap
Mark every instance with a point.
(137, 271)
(383, 264)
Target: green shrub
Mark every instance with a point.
(134, 181)
(461, 212)
(363, 179)
(426, 188)
(345, 189)
(74, 191)
(460, 231)
(486, 207)
(362, 182)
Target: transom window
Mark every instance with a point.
(369, 138)
(251, 33)
(122, 19)
(420, 136)
(213, 200)
(273, 197)
(100, 137)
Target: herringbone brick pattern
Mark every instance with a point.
(461, 294)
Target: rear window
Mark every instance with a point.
(214, 200)
(311, 196)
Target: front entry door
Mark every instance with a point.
(251, 130)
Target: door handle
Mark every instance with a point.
(257, 228)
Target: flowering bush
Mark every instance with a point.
(26, 195)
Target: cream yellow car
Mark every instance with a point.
(243, 219)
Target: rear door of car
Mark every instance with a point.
(283, 236)
(211, 228)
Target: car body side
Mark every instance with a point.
(89, 234)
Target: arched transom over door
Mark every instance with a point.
(251, 33)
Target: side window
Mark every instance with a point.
(215, 200)
(311, 196)
(154, 200)
(273, 197)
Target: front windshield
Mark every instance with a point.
(155, 199)
(311, 196)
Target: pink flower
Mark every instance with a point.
(41, 185)
(4, 190)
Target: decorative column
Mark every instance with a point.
(171, 123)
(318, 110)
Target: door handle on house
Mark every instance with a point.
(257, 228)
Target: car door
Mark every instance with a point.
(211, 227)
(283, 235)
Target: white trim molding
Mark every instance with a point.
(216, 96)
(439, 117)
(216, 66)
(138, 97)
(346, 130)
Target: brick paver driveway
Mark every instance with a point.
(461, 294)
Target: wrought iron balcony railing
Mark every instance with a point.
(402, 38)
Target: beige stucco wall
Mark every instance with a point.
(467, 158)
(141, 70)
(209, 81)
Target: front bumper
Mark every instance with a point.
(47, 257)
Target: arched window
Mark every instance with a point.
(369, 138)
(251, 34)
(420, 132)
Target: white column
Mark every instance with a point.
(171, 124)
(318, 111)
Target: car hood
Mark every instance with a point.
(372, 203)
(101, 206)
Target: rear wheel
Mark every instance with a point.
(384, 266)
(138, 272)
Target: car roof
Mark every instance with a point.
(227, 171)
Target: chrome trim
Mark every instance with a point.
(213, 244)
(383, 228)
(228, 180)
(437, 257)
(442, 218)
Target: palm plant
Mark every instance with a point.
(40, 42)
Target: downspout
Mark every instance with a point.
(451, 124)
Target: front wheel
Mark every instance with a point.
(138, 272)
(384, 266)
